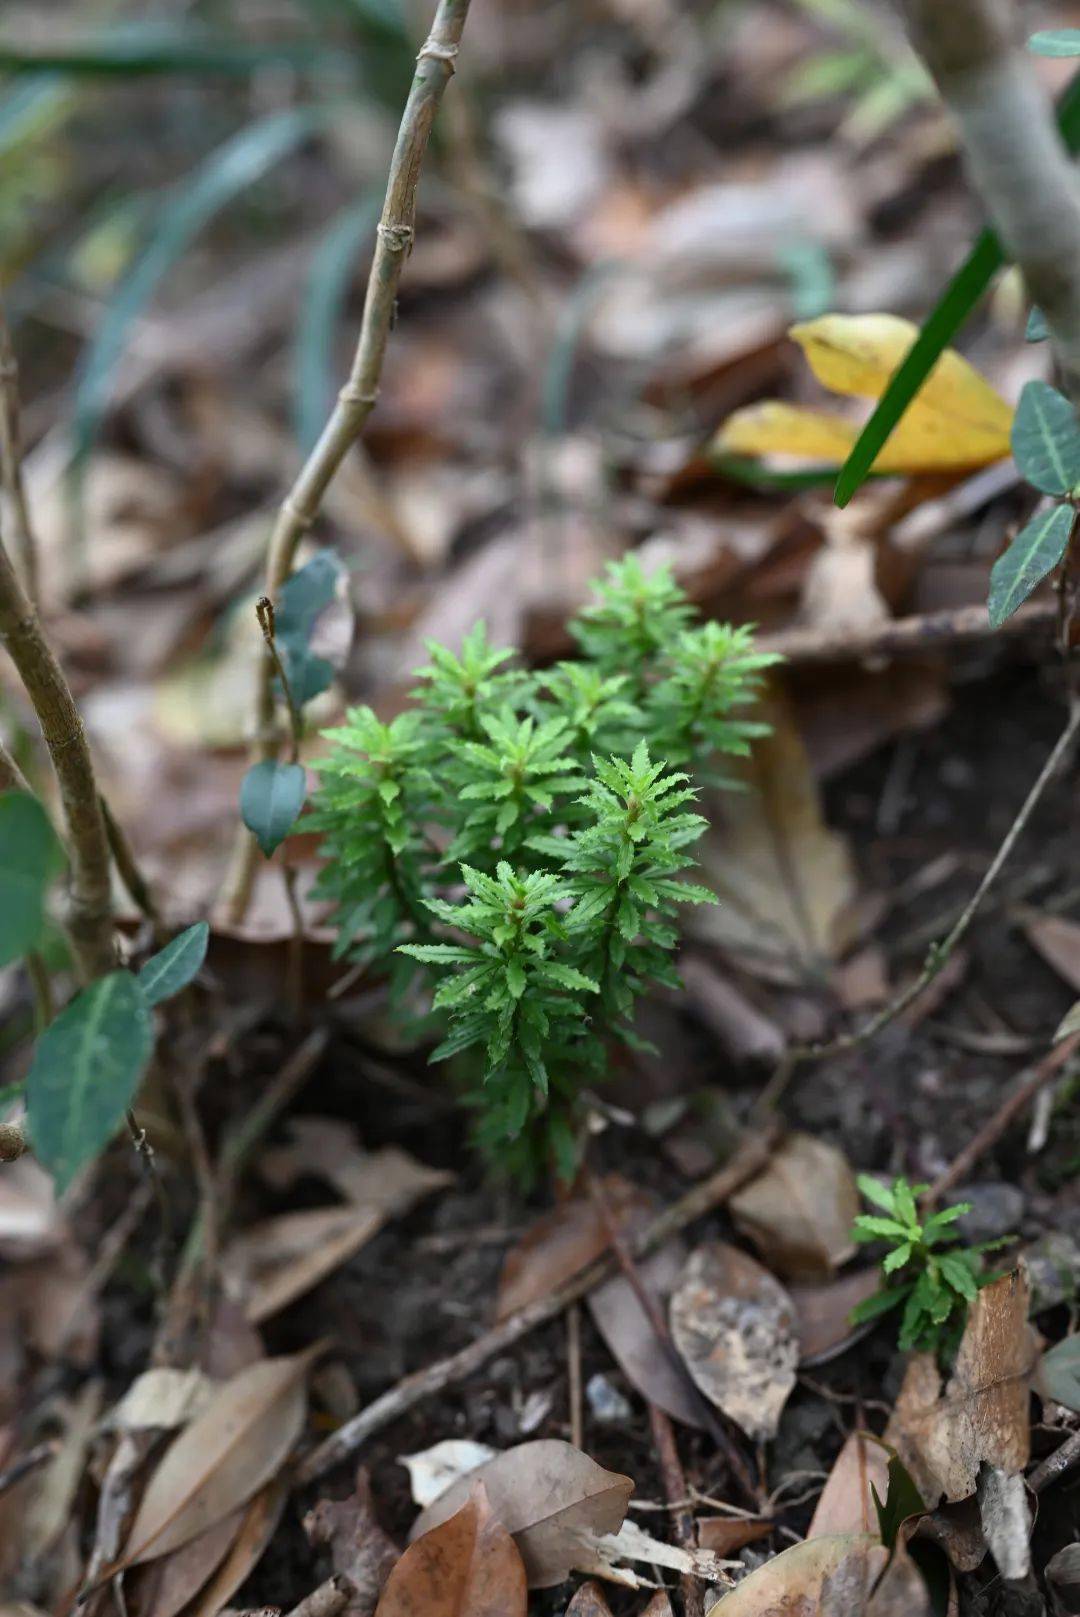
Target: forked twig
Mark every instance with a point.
(355, 402)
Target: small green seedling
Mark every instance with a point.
(934, 1287)
(512, 847)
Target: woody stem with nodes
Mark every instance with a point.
(355, 402)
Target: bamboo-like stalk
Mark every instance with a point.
(1018, 163)
(355, 402)
(90, 907)
(11, 476)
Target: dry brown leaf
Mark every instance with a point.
(659, 1605)
(162, 1397)
(257, 1528)
(823, 1314)
(632, 1340)
(846, 1504)
(467, 1566)
(822, 1577)
(734, 1325)
(546, 1494)
(50, 1492)
(981, 1416)
(563, 1241)
(799, 1210)
(163, 1587)
(726, 1536)
(1058, 941)
(901, 1590)
(277, 1261)
(786, 882)
(589, 1602)
(359, 1547)
(237, 1444)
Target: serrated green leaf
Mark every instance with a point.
(896, 1258)
(1033, 554)
(1046, 439)
(874, 1191)
(271, 796)
(173, 967)
(30, 857)
(1055, 42)
(85, 1073)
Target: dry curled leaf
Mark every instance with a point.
(589, 1602)
(799, 1210)
(237, 1444)
(563, 1241)
(163, 1587)
(823, 1577)
(943, 1435)
(734, 1325)
(547, 1494)
(278, 1260)
(467, 1566)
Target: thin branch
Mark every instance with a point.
(12, 778)
(702, 1199)
(931, 631)
(127, 868)
(394, 238)
(1018, 163)
(939, 952)
(264, 611)
(90, 903)
(11, 475)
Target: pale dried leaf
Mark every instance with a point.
(467, 1566)
(726, 1536)
(432, 1471)
(257, 1528)
(809, 1580)
(1006, 1520)
(162, 1398)
(901, 1590)
(981, 1416)
(734, 1325)
(240, 1441)
(277, 1261)
(546, 1494)
(846, 1504)
(786, 881)
(163, 1587)
(799, 1210)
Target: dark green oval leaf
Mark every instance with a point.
(271, 796)
(30, 856)
(85, 1072)
(1055, 42)
(1046, 439)
(1034, 552)
(955, 304)
(173, 967)
(301, 600)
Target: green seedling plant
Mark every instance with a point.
(513, 847)
(927, 1272)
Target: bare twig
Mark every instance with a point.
(28, 1462)
(573, 1375)
(939, 952)
(11, 475)
(12, 778)
(965, 625)
(1055, 1465)
(1011, 1107)
(682, 1520)
(1018, 162)
(435, 65)
(702, 1199)
(90, 907)
(127, 868)
(328, 1599)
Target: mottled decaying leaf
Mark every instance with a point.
(955, 420)
(547, 1494)
(734, 1325)
(799, 1210)
(466, 1566)
(237, 1444)
(846, 1503)
(830, 1575)
(945, 1433)
(359, 1547)
(163, 1587)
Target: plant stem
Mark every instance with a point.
(435, 65)
(1018, 163)
(11, 477)
(90, 906)
(12, 778)
(135, 883)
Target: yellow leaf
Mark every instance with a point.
(955, 420)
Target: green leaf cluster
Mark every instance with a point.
(932, 1286)
(519, 836)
